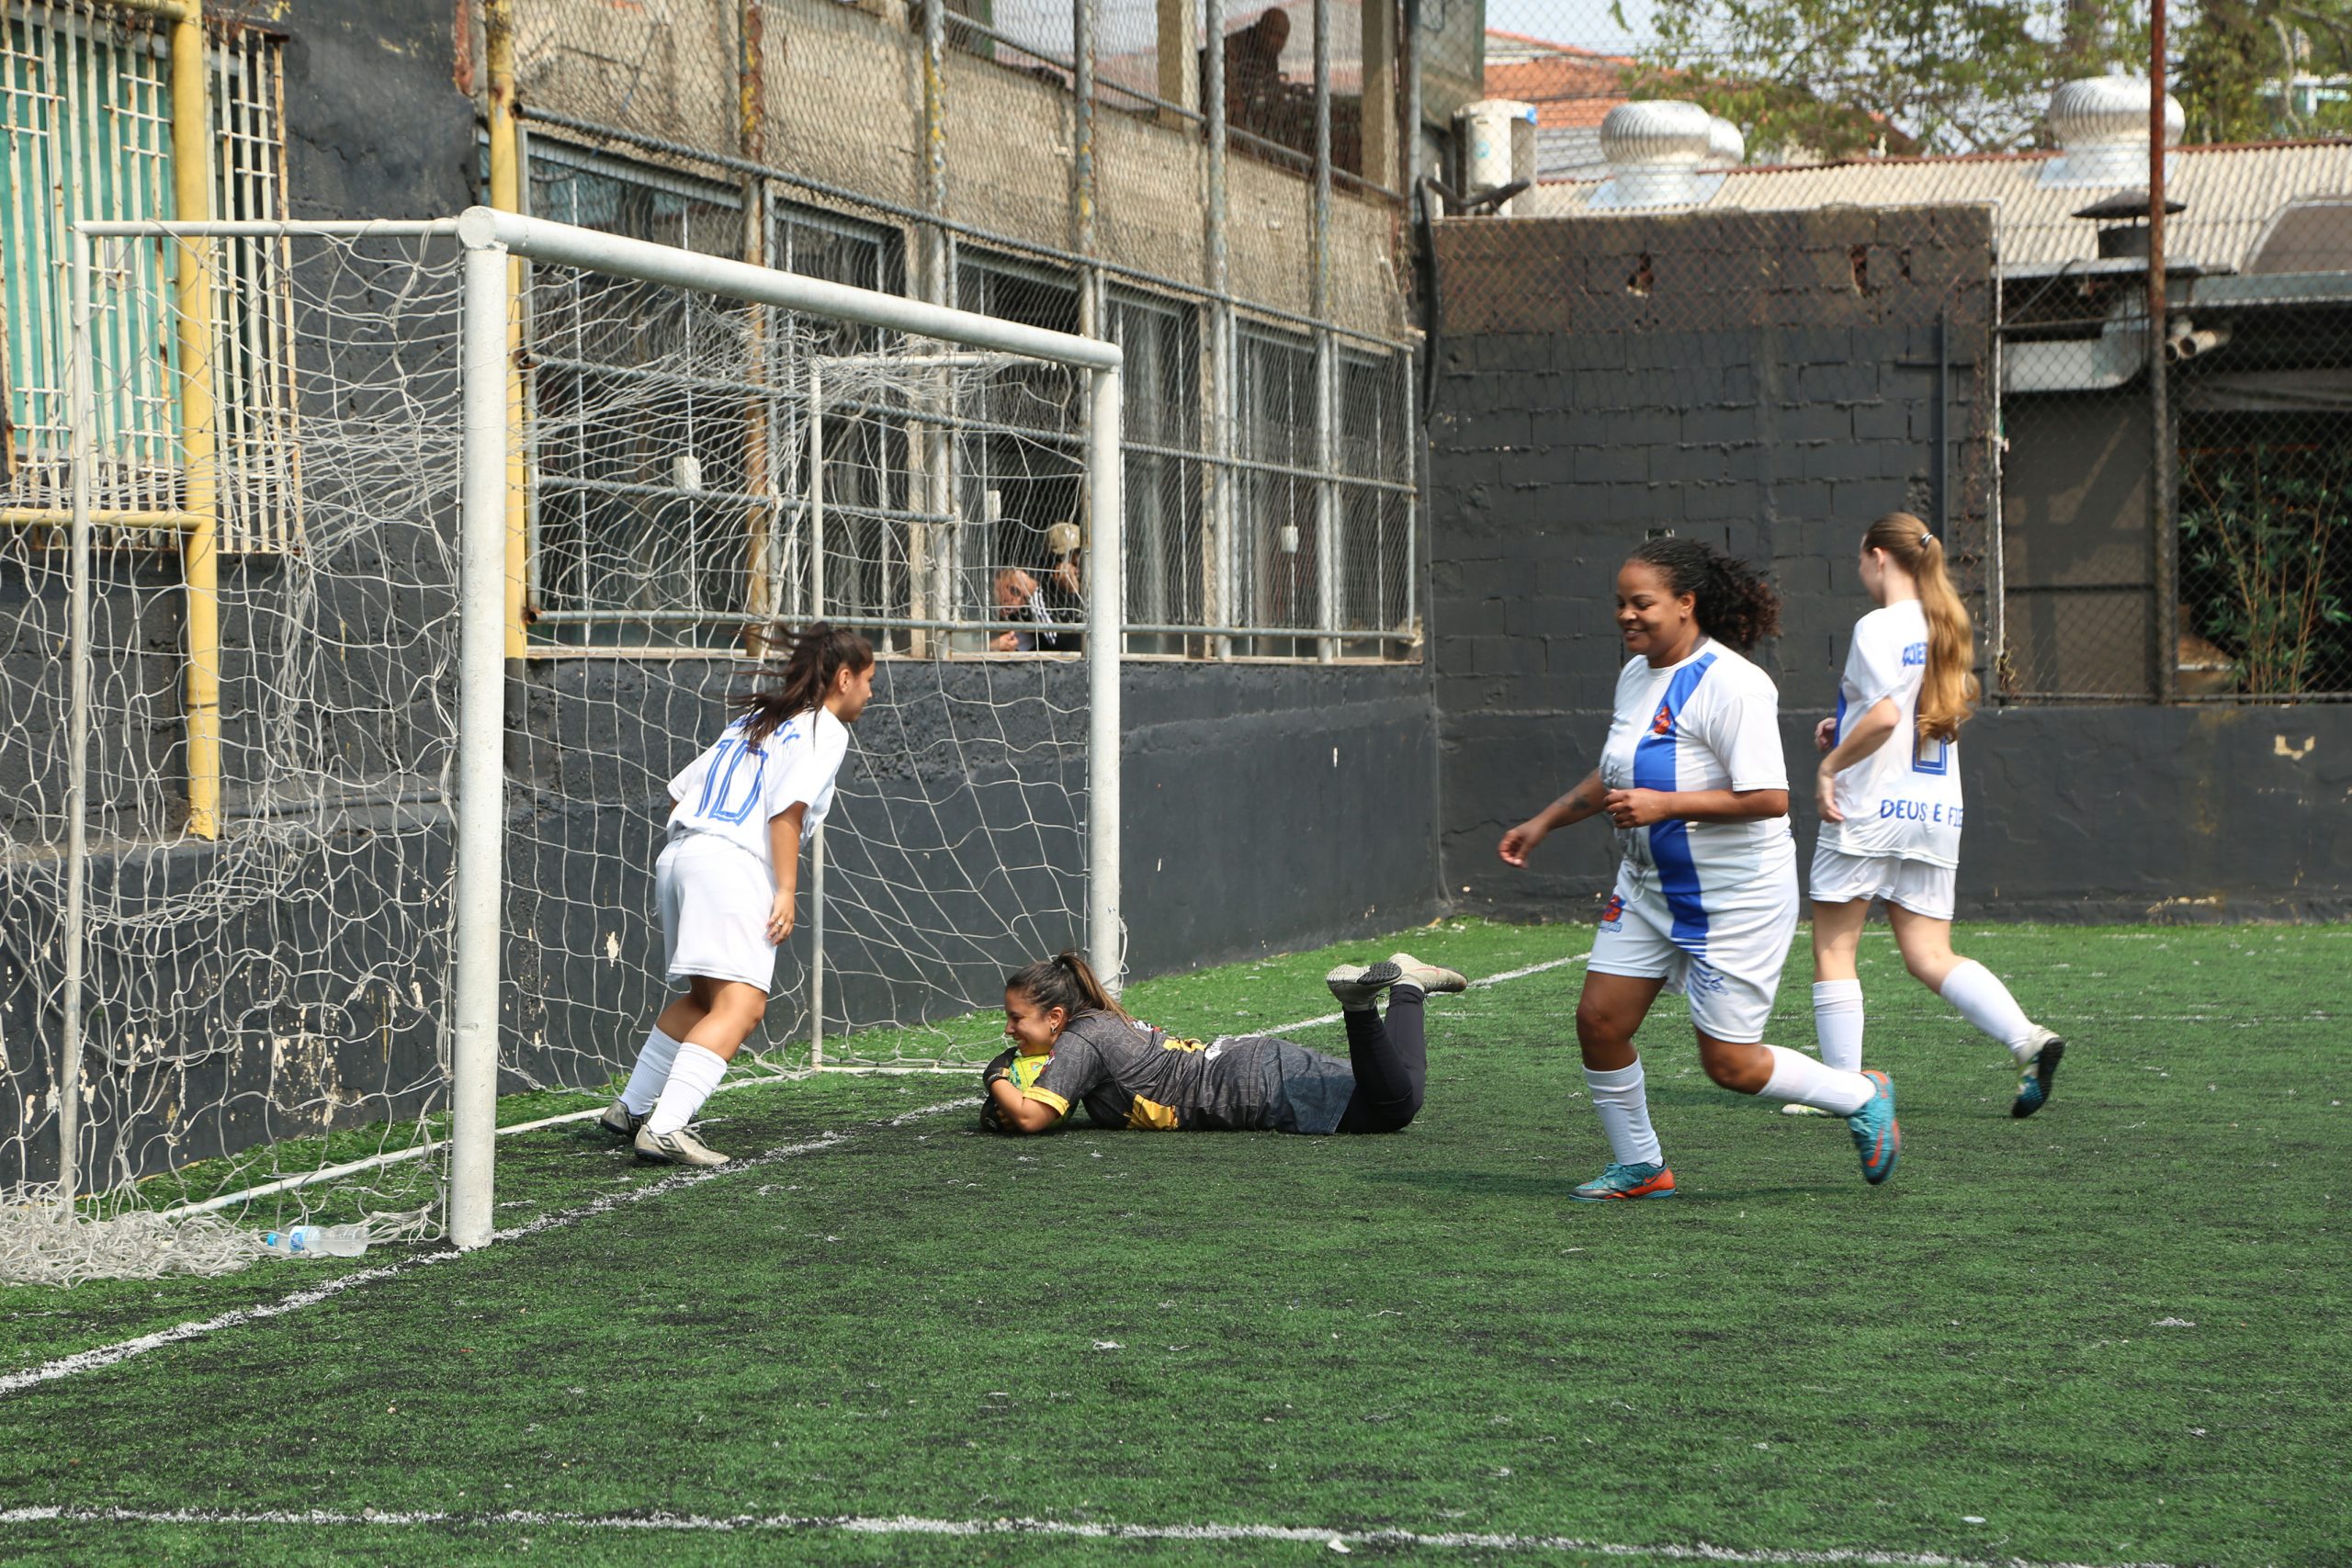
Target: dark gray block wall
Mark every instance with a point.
(1772, 383)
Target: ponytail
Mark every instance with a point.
(1733, 601)
(1066, 981)
(813, 657)
(1948, 690)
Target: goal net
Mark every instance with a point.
(369, 512)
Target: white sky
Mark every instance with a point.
(1131, 27)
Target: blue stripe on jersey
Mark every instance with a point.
(1838, 730)
(1654, 768)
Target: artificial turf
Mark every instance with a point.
(2110, 1334)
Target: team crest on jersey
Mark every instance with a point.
(1664, 723)
(1613, 912)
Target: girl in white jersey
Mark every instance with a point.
(727, 882)
(1706, 894)
(1889, 792)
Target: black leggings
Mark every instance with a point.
(1391, 1063)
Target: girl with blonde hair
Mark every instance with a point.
(1889, 793)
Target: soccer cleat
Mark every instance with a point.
(1411, 971)
(621, 1121)
(1358, 985)
(1626, 1181)
(1877, 1138)
(680, 1148)
(2040, 1072)
(1793, 1109)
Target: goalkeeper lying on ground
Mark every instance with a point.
(1128, 1074)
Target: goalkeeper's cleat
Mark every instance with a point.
(1877, 1137)
(1358, 985)
(1793, 1109)
(680, 1148)
(621, 1121)
(1411, 971)
(2040, 1067)
(1626, 1181)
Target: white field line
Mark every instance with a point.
(108, 1355)
(1836, 1557)
(1475, 985)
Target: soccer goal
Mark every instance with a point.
(384, 573)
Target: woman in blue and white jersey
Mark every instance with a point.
(728, 881)
(1889, 793)
(1692, 777)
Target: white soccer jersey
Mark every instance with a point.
(732, 789)
(1903, 798)
(1709, 722)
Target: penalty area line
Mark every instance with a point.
(904, 1524)
(123, 1350)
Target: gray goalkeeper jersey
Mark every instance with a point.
(1128, 1074)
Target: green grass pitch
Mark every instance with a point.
(2112, 1334)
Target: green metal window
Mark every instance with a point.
(86, 109)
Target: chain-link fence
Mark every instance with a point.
(2140, 514)
(1231, 215)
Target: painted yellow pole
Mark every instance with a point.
(751, 109)
(507, 196)
(199, 450)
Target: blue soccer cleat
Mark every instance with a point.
(1645, 1180)
(2040, 1072)
(1877, 1138)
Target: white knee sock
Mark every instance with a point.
(1837, 1023)
(1982, 999)
(692, 1077)
(1798, 1076)
(652, 1070)
(1624, 1110)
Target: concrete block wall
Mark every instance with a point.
(1767, 382)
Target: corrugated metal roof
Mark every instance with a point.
(2232, 194)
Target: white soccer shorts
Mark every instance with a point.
(1919, 887)
(1726, 959)
(715, 900)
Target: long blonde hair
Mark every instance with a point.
(1948, 690)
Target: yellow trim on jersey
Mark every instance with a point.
(1149, 1115)
(1061, 1106)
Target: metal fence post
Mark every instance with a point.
(1327, 499)
(2164, 623)
(1219, 605)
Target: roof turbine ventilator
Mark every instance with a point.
(2102, 124)
(1662, 153)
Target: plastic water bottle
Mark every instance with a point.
(317, 1241)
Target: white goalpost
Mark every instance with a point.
(298, 905)
(490, 238)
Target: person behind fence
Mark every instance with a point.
(727, 880)
(1055, 608)
(1693, 778)
(1128, 1074)
(1889, 792)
